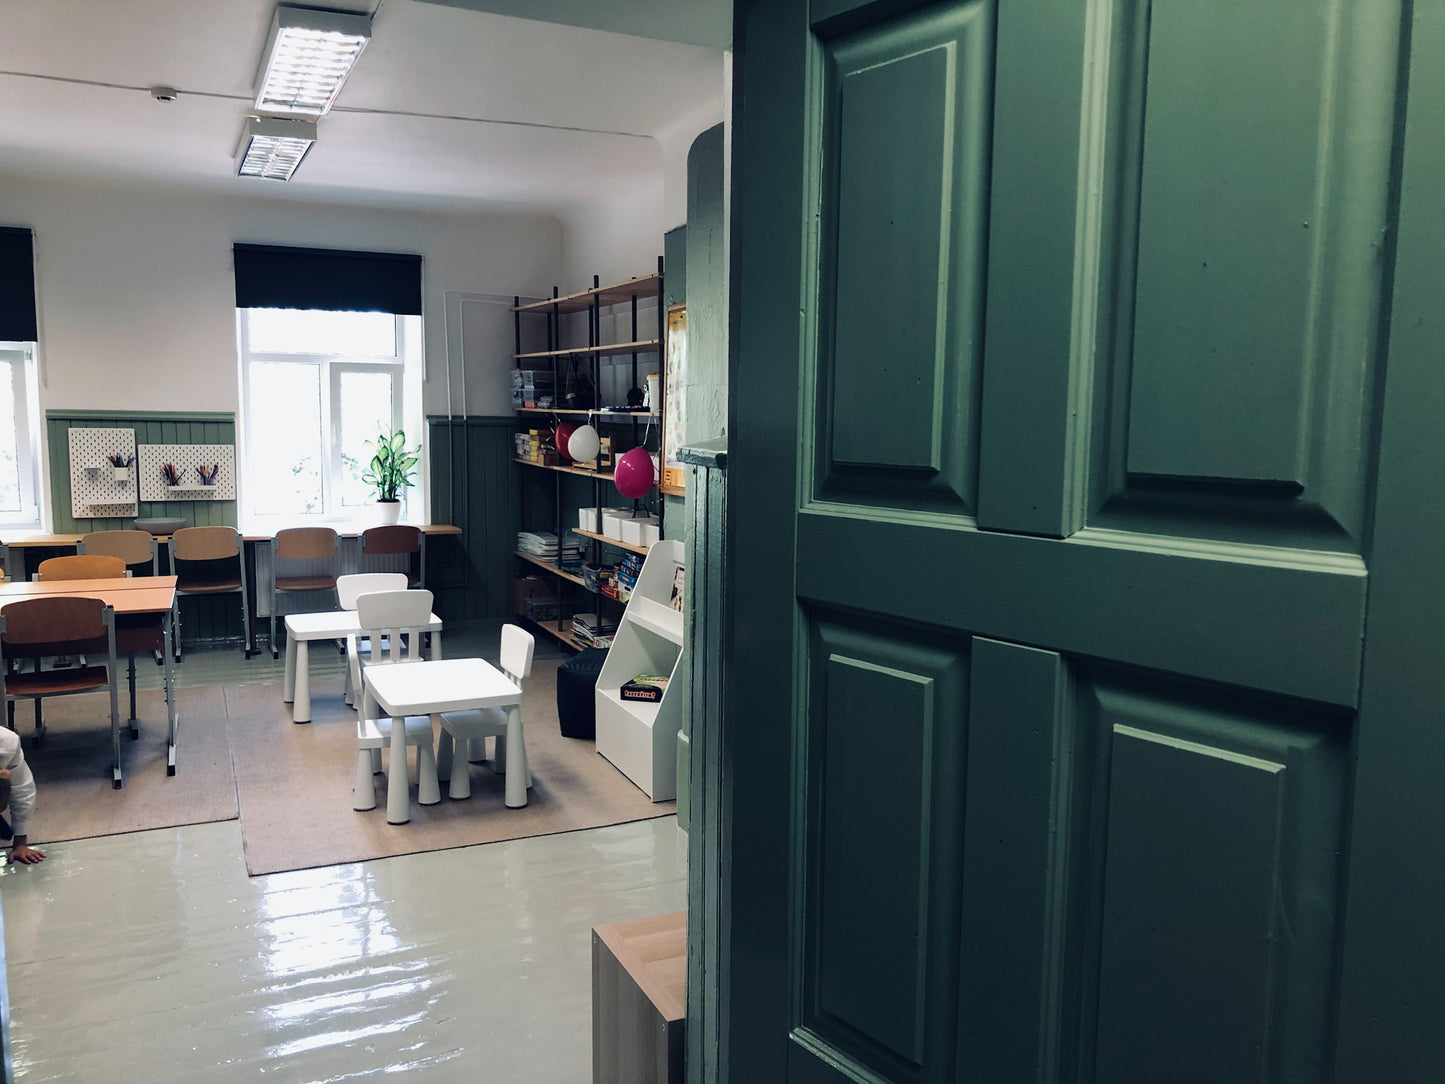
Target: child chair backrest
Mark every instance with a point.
(90, 566)
(349, 588)
(518, 646)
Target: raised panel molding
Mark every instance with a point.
(1214, 879)
(884, 735)
(1250, 237)
(900, 135)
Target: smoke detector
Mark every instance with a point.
(164, 94)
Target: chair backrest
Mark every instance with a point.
(383, 616)
(90, 566)
(305, 544)
(362, 583)
(518, 645)
(34, 626)
(205, 543)
(393, 611)
(391, 539)
(132, 547)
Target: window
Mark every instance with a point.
(19, 436)
(316, 385)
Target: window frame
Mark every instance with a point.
(402, 367)
(21, 356)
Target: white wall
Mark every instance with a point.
(137, 300)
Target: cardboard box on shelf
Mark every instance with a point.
(527, 587)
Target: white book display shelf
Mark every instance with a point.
(640, 738)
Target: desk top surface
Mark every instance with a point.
(138, 595)
(37, 541)
(420, 688)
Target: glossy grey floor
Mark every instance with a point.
(154, 957)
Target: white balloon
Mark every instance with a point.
(584, 444)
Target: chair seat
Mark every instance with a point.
(475, 723)
(305, 583)
(376, 733)
(54, 682)
(201, 587)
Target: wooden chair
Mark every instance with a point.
(90, 566)
(5, 562)
(312, 545)
(469, 730)
(386, 617)
(209, 561)
(396, 540)
(47, 627)
(131, 636)
(135, 548)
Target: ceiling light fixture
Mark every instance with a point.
(308, 55)
(272, 147)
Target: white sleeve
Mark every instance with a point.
(22, 798)
(22, 783)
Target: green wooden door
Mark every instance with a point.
(1086, 563)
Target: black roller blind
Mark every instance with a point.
(341, 280)
(17, 285)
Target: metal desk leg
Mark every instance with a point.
(516, 794)
(300, 650)
(173, 721)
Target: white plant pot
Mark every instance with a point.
(390, 511)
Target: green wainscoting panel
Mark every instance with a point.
(151, 427)
(204, 619)
(475, 486)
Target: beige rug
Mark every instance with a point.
(294, 783)
(74, 796)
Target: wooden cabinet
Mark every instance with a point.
(639, 988)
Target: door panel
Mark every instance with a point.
(1254, 203)
(906, 340)
(1221, 833)
(881, 909)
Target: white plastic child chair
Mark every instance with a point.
(384, 617)
(349, 588)
(477, 725)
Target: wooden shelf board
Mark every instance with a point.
(639, 347)
(560, 633)
(609, 541)
(606, 476)
(608, 416)
(550, 567)
(673, 491)
(616, 294)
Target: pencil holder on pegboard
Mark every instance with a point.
(102, 473)
(187, 472)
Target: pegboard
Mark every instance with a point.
(186, 458)
(95, 493)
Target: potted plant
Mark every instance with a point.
(392, 467)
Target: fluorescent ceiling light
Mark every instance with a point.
(272, 147)
(308, 56)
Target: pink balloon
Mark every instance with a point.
(633, 476)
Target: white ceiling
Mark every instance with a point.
(447, 107)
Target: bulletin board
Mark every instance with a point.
(98, 490)
(674, 474)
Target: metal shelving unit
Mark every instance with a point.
(578, 365)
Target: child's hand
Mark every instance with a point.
(4, 773)
(25, 854)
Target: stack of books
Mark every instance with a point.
(570, 555)
(627, 572)
(539, 544)
(593, 630)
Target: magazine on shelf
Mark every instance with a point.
(677, 588)
(645, 687)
